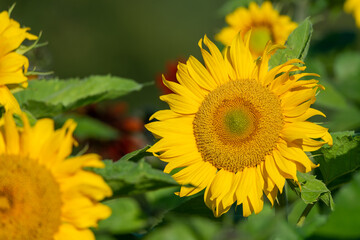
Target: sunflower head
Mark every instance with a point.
(44, 193)
(237, 129)
(265, 22)
(13, 65)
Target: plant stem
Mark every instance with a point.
(304, 214)
(283, 203)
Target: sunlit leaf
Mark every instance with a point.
(340, 159)
(127, 178)
(47, 98)
(312, 189)
(297, 45)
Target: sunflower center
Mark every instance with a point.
(30, 200)
(258, 39)
(237, 121)
(238, 124)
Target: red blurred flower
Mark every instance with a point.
(170, 75)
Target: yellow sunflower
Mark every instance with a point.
(353, 6)
(237, 129)
(43, 195)
(12, 64)
(265, 22)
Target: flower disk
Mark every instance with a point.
(43, 195)
(27, 189)
(237, 125)
(237, 129)
(264, 22)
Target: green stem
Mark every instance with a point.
(304, 214)
(283, 203)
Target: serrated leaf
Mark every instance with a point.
(297, 45)
(48, 98)
(126, 217)
(340, 159)
(312, 190)
(127, 178)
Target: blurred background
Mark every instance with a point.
(132, 39)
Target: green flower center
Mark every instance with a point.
(237, 122)
(259, 37)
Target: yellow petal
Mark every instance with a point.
(181, 125)
(184, 78)
(180, 104)
(286, 167)
(164, 114)
(8, 100)
(11, 135)
(69, 232)
(273, 172)
(214, 62)
(200, 74)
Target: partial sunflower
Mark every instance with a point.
(266, 24)
(237, 129)
(43, 193)
(353, 6)
(13, 65)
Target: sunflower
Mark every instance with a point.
(265, 22)
(353, 6)
(42, 194)
(12, 64)
(237, 129)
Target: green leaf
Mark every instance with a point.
(126, 217)
(48, 98)
(136, 155)
(344, 221)
(312, 189)
(127, 178)
(88, 127)
(297, 45)
(340, 159)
